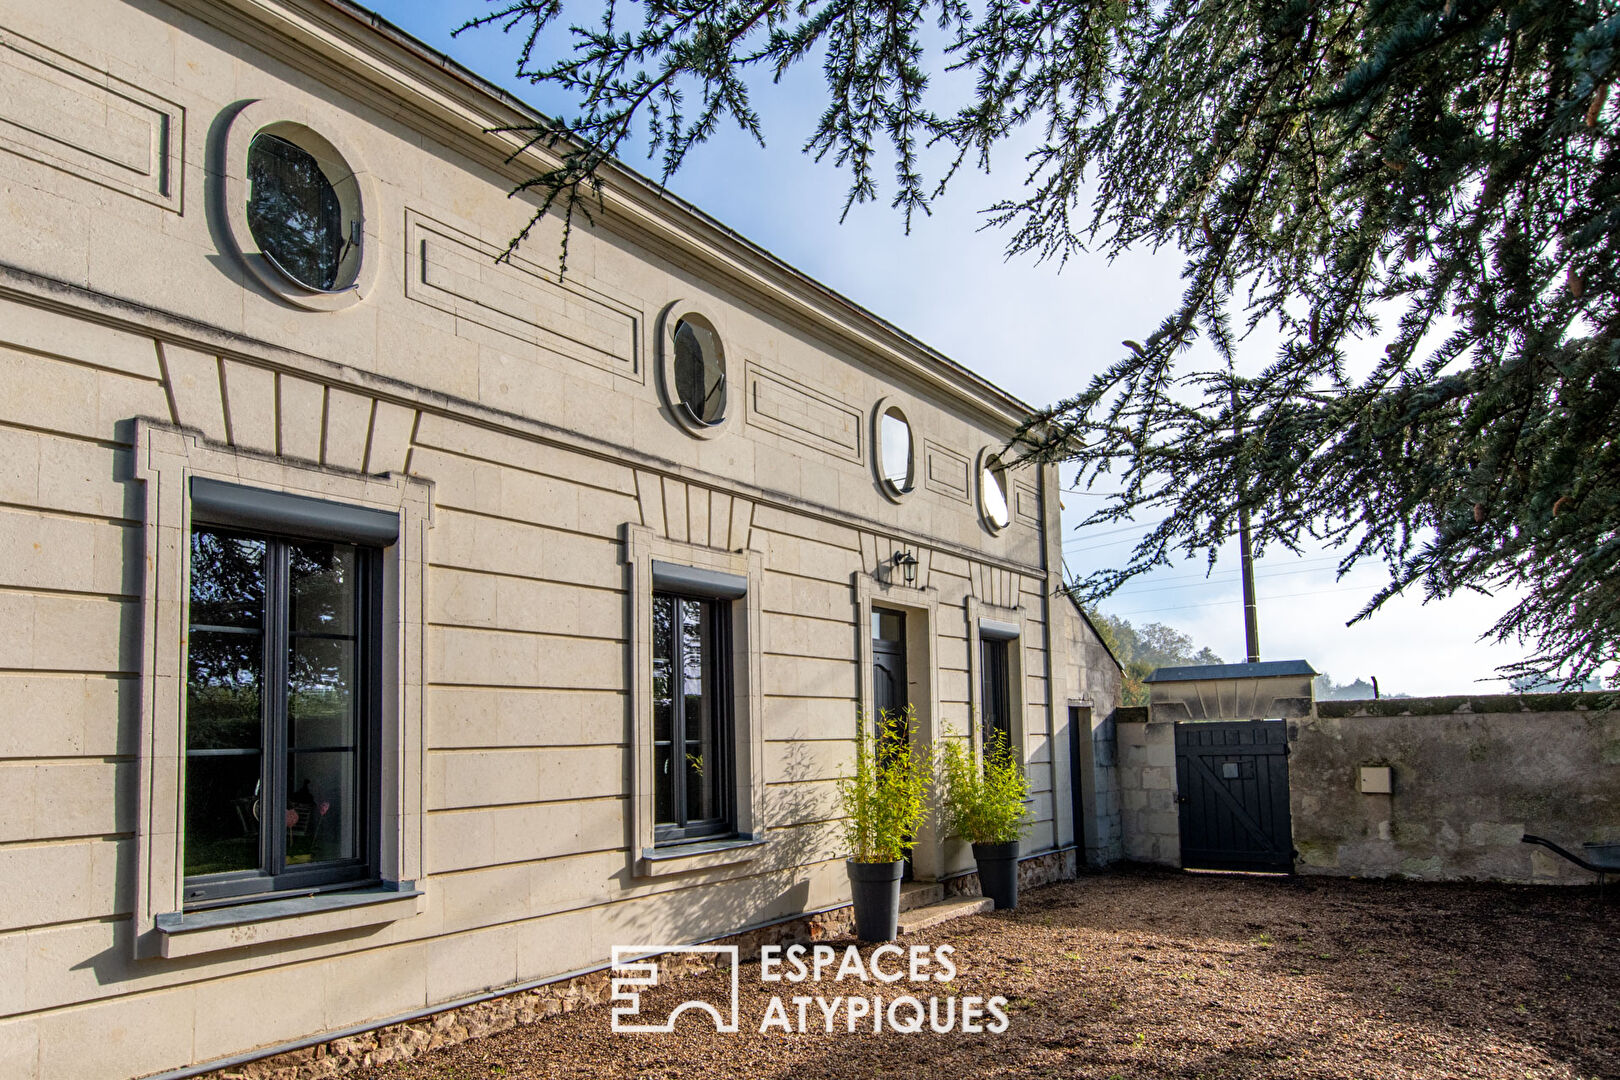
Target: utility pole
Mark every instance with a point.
(1251, 614)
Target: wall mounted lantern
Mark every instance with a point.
(906, 562)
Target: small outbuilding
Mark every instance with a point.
(1267, 690)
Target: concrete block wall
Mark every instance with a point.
(1471, 775)
(1146, 776)
(1106, 843)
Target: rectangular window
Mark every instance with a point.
(283, 709)
(995, 714)
(691, 718)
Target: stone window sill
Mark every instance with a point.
(702, 855)
(240, 925)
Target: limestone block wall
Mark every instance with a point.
(1471, 775)
(160, 90)
(533, 410)
(524, 640)
(523, 785)
(1146, 775)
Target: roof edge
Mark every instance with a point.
(1086, 617)
(480, 92)
(1260, 669)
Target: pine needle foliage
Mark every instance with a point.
(885, 800)
(984, 803)
(1439, 177)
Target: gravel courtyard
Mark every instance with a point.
(1140, 974)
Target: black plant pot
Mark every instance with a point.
(875, 888)
(998, 872)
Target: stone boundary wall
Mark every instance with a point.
(1145, 775)
(1444, 704)
(1471, 775)
(399, 1042)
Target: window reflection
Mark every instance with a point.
(993, 492)
(894, 439)
(700, 370)
(276, 678)
(663, 708)
(224, 682)
(689, 716)
(295, 214)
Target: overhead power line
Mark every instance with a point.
(1220, 575)
(1213, 603)
(1089, 535)
(1227, 580)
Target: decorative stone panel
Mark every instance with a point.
(794, 411)
(465, 277)
(66, 114)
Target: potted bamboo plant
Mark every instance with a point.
(986, 806)
(884, 802)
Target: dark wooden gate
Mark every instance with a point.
(1233, 785)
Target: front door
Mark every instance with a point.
(1079, 735)
(890, 694)
(889, 662)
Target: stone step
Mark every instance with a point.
(916, 894)
(957, 906)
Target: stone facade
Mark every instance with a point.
(1470, 776)
(523, 433)
(1035, 871)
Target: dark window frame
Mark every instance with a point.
(273, 879)
(724, 824)
(995, 690)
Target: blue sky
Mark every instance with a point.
(1036, 331)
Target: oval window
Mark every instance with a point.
(895, 451)
(993, 493)
(700, 370)
(303, 210)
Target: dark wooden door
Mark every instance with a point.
(1079, 735)
(890, 694)
(1232, 780)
